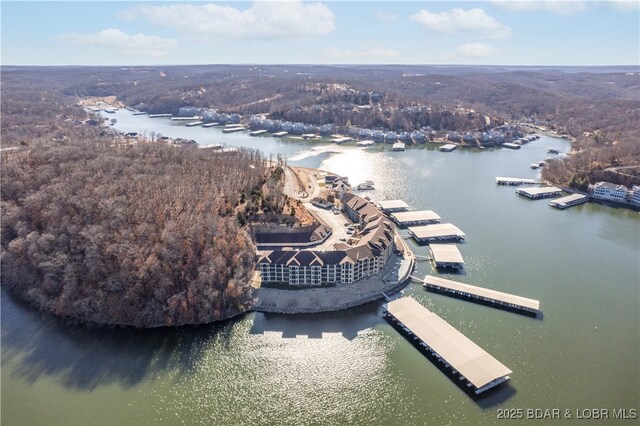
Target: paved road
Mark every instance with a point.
(335, 221)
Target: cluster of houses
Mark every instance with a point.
(344, 264)
(617, 194)
(209, 115)
(495, 136)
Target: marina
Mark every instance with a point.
(415, 218)
(446, 256)
(464, 360)
(514, 181)
(437, 232)
(569, 201)
(482, 295)
(448, 147)
(535, 193)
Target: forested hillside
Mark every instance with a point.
(142, 235)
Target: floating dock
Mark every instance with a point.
(446, 256)
(511, 145)
(482, 295)
(139, 113)
(159, 115)
(280, 134)
(514, 181)
(310, 136)
(194, 118)
(415, 218)
(436, 232)
(393, 206)
(569, 201)
(341, 139)
(257, 132)
(538, 193)
(398, 146)
(445, 345)
(365, 143)
(194, 124)
(233, 129)
(207, 125)
(448, 147)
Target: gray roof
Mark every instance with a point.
(541, 190)
(393, 204)
(469, 359)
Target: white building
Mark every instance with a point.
(634, 196)
(606, 191)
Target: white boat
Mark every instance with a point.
(534, 166)
(367, 185)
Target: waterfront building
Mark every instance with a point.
(345, 264)
(634, 196)
(606, 191)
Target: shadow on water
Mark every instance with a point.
(348, 322)
(85, 358)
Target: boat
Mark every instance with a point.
(367, 185)
(553, 151)
(398, 146)
(534, 166)
(542, 164)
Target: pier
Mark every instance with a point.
(569, 201)
(482, 295)
(415, 218)
(194, 124)
(514, 181)
(257, 132)
(437, 232)
(446, 256)
(159, 115)
(468, 364)
(194, 118)
(538, 193)
(280, 134)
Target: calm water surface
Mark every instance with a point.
(583, 265)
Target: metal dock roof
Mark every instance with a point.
(469, 359)
(533, 191)
(569, 200)
(511, 299)
(437, 230)
(415, 216)
(393, 205)
(448, 253)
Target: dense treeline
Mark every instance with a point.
(142, 235)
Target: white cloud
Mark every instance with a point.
(472, 22)
(125, 44)
(263, 19)
(625, 5)
(373, 52)
(476, 50)
(386, 16)
(561, 7)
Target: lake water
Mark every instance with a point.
(583, 264)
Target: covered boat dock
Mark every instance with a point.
(482, 295)
(535, 193)
(461, 357)
(415, 218)
(437, 232)
(446, 256)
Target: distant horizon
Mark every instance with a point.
(437, 33)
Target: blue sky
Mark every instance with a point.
(329, 32)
